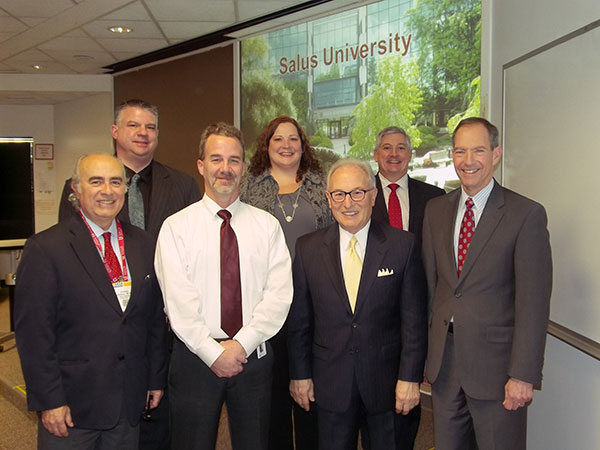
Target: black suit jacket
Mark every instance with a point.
(384, 340)
(172, 190)
(77, 347)
(419, 193)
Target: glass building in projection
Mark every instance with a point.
(336, 78)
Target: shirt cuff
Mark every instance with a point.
(249, 339)
(209, 351)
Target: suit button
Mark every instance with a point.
(458, 294)
(121, 357)
(351, 351)
(354, 325)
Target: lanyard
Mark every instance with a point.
(114, 278)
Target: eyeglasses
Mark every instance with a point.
(356, 195)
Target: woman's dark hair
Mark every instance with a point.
(260, 160)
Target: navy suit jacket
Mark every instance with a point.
(77, 347)
(172, 190)
(419, 193)
(384, 340)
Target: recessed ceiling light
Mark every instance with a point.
(120, 30)
(37, 67)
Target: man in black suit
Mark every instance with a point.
(90, 326)
(163, 190)
(393, 152)
(160, 192)
(357, 326)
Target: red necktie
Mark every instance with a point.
(231, 290)
(467, 228)
(114, 268)
(394, 210)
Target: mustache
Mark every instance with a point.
(226, 175)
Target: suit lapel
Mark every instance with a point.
(373, 258)
(414, 198)
(86, 251)
(380, 212)
(331, 260)
(135, 265)
(446, 226)
(492, 214)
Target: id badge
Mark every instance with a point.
(123, 291)
(261, 350)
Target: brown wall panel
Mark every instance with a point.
(190, 93)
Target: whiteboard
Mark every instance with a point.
(552, 155)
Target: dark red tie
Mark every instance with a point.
(394, 210)
(231, 288)
(114, 268)
(467, 228)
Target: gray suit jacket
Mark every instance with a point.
(500, 302)
(382, 341)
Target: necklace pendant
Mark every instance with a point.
(289, 218)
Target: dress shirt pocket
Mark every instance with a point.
(500, 335)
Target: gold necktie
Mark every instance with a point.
(352, 273)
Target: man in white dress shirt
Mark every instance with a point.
(222, 309)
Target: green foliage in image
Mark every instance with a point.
(265, 97)
(474, 109)
(429, 139)
(326, 158)
(393, 101)
(448, 36)
(320, 139)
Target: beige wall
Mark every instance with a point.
(190, 93)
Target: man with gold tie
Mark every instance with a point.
(357, 326)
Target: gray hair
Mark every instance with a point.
(221, 129)
(392, 130)
(358, 163)
(76, 179)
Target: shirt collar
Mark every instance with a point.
(98, 231)
(402, 182)
(145, 173)
(479, 199)
(361, 236)
(213, 207)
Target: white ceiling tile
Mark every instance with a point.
(251, 9)
(75, 33)
(35, 8)
(122, 56)
(196, 10)
(76, 44)
(6, 69)
(133, 45)
(32, 56)
(99, 29)
(134, 11)
(4, 36)
(99, 58)
(9, 24)
(47, 67)
(86, 68)
(32, 21)
(190, 30)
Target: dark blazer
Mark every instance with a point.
(383, 341)
(172, 190)
(77, 347)
(500, 302)
(419, 193)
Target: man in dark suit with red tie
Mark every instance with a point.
(400, 199)
(357, 325)
(89, 318)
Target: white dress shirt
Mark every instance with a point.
(187, 264)
(401, 192)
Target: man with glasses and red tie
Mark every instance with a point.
(89, 318)
(357, 327)
(225, 272)
(487, 257)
